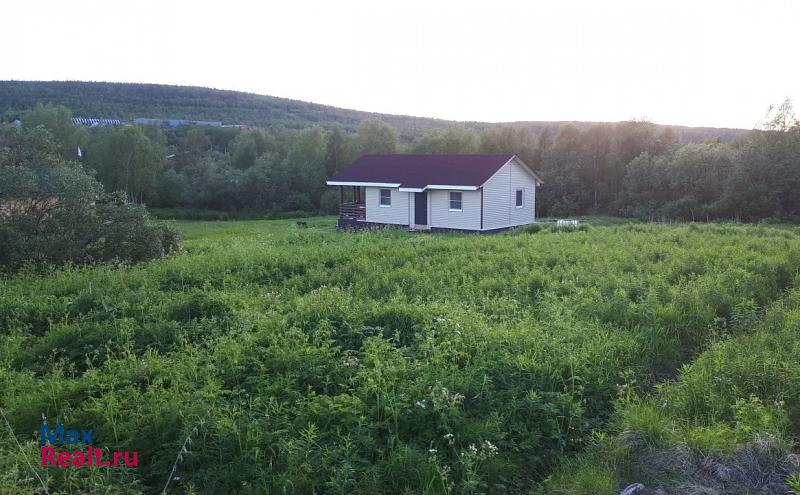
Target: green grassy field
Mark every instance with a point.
(303, 360)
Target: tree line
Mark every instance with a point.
(632, 169)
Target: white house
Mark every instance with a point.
(477, 193)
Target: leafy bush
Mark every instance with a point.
(59, 215)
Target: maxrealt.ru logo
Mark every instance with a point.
(91, 457)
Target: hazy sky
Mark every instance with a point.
(674, 62)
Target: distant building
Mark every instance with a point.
(91, 122)
(176, 122)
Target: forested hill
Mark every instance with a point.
(127, 101)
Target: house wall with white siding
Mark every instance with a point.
(496, 200)
(411, 199)
(396, 214)
(499, 197)
(469, 218)
(521, 179)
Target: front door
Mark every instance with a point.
(421, 208)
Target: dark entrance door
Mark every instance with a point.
(421, 208)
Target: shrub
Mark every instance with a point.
(59, 215)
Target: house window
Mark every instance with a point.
(386, 197)
(519, 199)
(455, 201)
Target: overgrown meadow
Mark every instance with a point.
(305, 360)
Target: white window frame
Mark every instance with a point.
(380, 198)
(460, 201)
(521, 192)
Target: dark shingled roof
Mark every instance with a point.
(419, 171)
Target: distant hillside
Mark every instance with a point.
(127, 101)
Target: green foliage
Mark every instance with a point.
(54, 213)
(636, 169)
(67, 228)
(308, 360)
(451, 141)
(793, 480)
(128, 159)
(736, 394)
(247, 146)
(375, 136)
(58, 121)
(28, 147)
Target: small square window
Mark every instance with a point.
(386, 197)
(455, 201)
(519, 198)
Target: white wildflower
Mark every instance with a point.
(489, 447)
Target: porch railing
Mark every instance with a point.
(355, 211)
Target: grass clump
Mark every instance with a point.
(727, 424)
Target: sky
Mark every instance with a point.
(699, 63)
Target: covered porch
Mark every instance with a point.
(352, 205)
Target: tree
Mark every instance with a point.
(780, 118)
(766, 175)
(376, 136)
(59, 214)
(190, 147)
(560, 168)
(646, 187)
(509, 139)
(127, 159)
(700, 171)
(258, 184)
(213, 183)
(306, 159)
(28, 147)
(58, 120)
(596, 157)
(248, 146)
(335, 151)
(450, 141)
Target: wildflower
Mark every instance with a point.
(489, 447)
(444, 397)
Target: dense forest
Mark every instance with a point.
(128, 101)
(633, 169)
